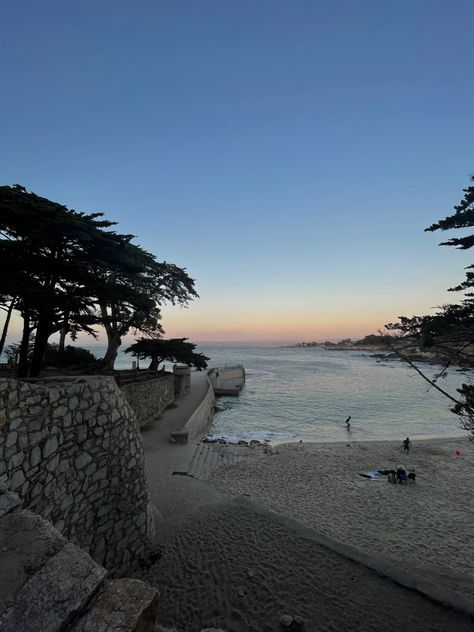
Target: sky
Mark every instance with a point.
(288, 154)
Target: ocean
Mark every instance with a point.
(307, 394)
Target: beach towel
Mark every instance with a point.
(374, 475)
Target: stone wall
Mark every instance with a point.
(150, 398)
(72, 449)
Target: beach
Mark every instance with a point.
(427, 525)
(296, 531)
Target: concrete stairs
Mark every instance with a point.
(208, 456)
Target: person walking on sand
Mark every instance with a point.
(406, 445)
(348, 422)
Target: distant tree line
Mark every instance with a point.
(372, 340)
(67, 272)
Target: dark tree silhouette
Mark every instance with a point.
(69, 272)
(451, 329)
(172, 350)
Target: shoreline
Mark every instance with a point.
(297, 441)
(418, 438)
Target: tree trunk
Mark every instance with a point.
(24, 346)
(63, 332)
(62, 339)
(154, 364)
(113, 343)
(6, 325)
(41, 340)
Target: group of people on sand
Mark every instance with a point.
(400, 475)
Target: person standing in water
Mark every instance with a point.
(406, 445)
(348, 422)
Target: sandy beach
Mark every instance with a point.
(428, 524)
(255, 549)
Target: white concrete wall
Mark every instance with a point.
(200, 421)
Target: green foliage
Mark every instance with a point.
(71, 357)
(172, 350)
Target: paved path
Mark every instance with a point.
(174, 496)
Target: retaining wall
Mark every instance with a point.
(72, 449)
(200, 421)
(149, 399)
(227, 376)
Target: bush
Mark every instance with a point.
(71, 357)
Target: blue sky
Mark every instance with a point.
(288, 154)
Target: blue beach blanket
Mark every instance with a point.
(374, 475)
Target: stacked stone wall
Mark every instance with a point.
(150, 398)
(72, 449)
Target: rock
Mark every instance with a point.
(241, 591)
(55, 593)
(250, 573)
(50, 446)
(28, 542)
(82, 460)
(35, 456)
(128, 605)
(286, 620)
(17, 479)
(8, 502)
(242, 442)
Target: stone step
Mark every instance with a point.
(195, 461)
(202, 460)
(207, 457)
(207, 464)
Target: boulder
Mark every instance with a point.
(128, 605)
(55, 594)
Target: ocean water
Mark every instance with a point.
(307, 393)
